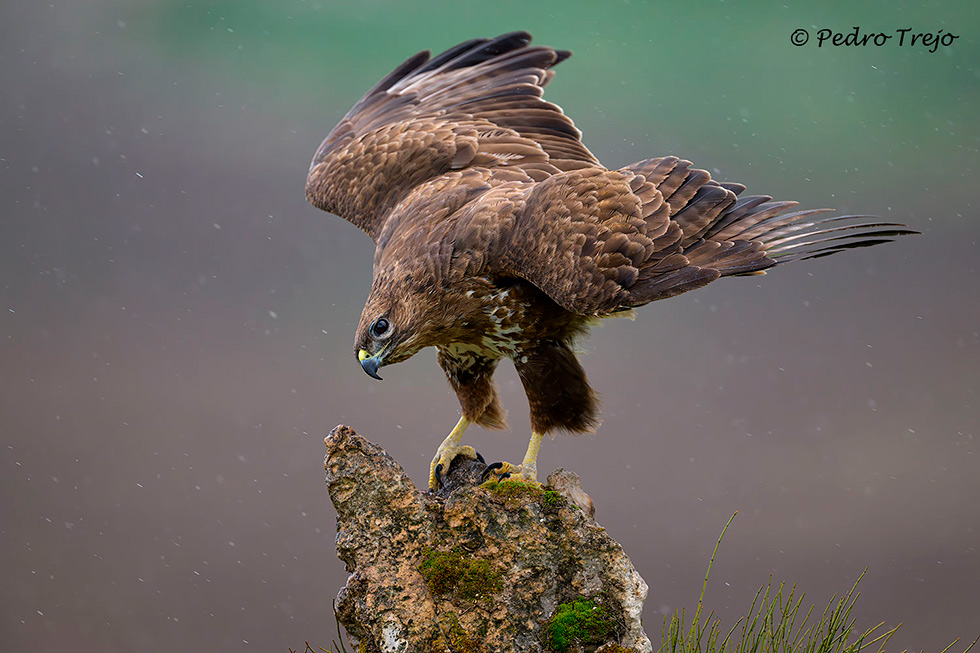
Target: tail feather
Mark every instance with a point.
(745, 206)
(756, 222)
(725, 234)
(705, 207)
(824, 242)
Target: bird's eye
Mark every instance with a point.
(380, 327)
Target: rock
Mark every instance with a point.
(569, 485)
(493, 568)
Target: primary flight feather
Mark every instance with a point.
(499, 235)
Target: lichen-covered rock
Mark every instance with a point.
(493, 568)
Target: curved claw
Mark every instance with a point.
(440, 465)
(489, 470)
(502, 471)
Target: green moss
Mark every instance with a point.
(458, 640)
(451, 572)
(552, 499)
(514, 491)
(582, 621)
(509, 489)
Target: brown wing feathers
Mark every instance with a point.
(599, 242)
(477, 104)
(505, 90)
(594, 240)
(741, 235)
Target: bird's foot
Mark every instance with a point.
(508, 471)
(444, 457)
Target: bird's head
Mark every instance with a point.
(401, 318)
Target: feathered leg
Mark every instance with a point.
(559, 397)
(471, 377)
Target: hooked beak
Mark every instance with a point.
(369, 363)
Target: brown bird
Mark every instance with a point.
(499, 235)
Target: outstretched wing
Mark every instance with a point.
(476, 104)
(599, 241)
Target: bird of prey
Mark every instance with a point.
(499, 235)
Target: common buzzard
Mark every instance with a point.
(499, 235)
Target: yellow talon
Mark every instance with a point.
(448, 450)
(526, 472)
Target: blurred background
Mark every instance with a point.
(176, 322)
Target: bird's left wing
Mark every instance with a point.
(585, 237)
(477, 104)
(600, 241)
